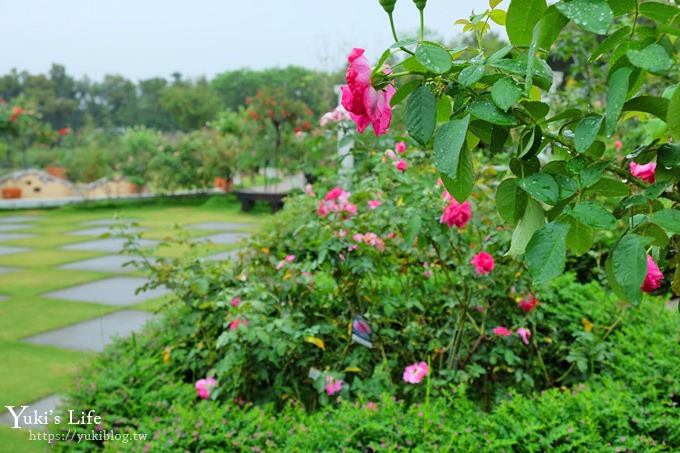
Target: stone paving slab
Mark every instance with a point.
(225, 238)
(14, 226)
(108, 222)
(109, 263)
(3, 298)
(98, 231)
(13, 236)
(114, 245)
(43, 406)
(119, 291)
(224, 256)
(8, 250)
(5, 270)
(227, 226)
(18, 219)
(95, 334)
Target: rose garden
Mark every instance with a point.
(483, 256)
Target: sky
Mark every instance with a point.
(148, 38)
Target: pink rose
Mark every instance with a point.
(401, 165)
(372, 204)
(483, 263)
(237, 322)
(415, 373)
(364, 103)
(204, 387)
(400, 147)
(525, 334)
(644, 172)
(456, 214)
(333, 385)
(618, 144)
(358, 237)
(235, 301)
(334, 194)
(653, 278)
(502, 331)
(528, 303)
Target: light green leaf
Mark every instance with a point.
(673, 115)
(434, 57)
(621, 7)
(652, 58)
(487, 111)
(521, 18)
(586, 132)
(421, 114)
(447, 146)
(470, 75)
(607, 187)
(668, 219)
(592, 15)
(547, 252)
(532, 220)
(580, 237)
(610, 42)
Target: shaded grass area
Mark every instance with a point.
(17, 441)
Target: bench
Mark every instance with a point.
(247, 198)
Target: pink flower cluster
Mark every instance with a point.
(528, 303)
(483, 263)
(365, 104)
(455, 213)
(414, 374)
(645, 172)
(204, 387)
(236, 323)
(502, 331)
(400, 164)
(333, 385)
(334, 116)
(336, 200)
(283, 262)
(653, 278)
(370, 239)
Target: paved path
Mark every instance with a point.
(117, 290)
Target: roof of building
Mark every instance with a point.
(44, 177)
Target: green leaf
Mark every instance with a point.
(616, 97)
(592, 173)
(610, 42)
(421, 114)
(471, 75)
(552, 24)
(511, 201)
(649, 104)
(629, 266)
(444, 109)
(580, 237)
(594, 215)
(655, 232)
(652, 58)
(567, 186)
(487, 111)
(673, 116)
(668, 219)
(608, 187)
(522, 18)
(543, 76)
(592, 15)
(447, 146)
(586, 132)
(404, 90)
(669, 155)
(541, 187)
(547, 252)
(531, 221)
(434, 57)
(621, 7)
(537, 110)
(660, 12)
(462, 186)
(505, 93)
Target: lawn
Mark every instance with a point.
(31, 372)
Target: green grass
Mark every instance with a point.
(30, 372)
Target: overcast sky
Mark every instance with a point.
(147, 38)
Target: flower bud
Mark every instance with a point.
(388, 5)
(420, 4)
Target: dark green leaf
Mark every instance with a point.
(524, 167)
(660, 12)
(649, 104)
(541, 187)
(447, 146)
(421, 114)
(668, 219)
(592, 173)
(594, 215)
(546, 252)
(669, 155)
(629, 266)
(621, 7)
(462, 186)
(610, 42)
(580, 237)
(616, 97)
(537, 110)
(551, 24)
(511, 201)
(608, 187)
(404, 90)
(505, 93)
(487, 111)
(673, 115)
(471, 75)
